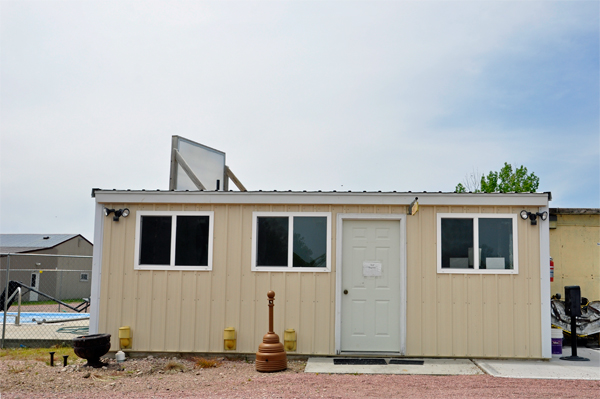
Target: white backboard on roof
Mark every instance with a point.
(195, 166)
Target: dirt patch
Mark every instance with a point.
(181, 378)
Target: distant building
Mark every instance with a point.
(575, 249)
(59, 277)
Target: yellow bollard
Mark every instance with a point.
(125, 337)
(229, 340)
(289, 340)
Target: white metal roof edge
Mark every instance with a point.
(325, 198)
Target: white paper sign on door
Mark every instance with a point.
(371, 269)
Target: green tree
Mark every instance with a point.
(504, 181)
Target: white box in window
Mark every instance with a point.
(494, 263)
(459, 263)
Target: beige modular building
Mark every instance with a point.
(353, 273)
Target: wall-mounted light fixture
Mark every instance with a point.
(118, 213)
(413, 208)
(533, 216)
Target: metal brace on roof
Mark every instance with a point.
(184, 165)
(186, 168)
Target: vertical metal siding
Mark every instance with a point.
(429, 292)
(471, 314)
(474, 311)
(186, 311)
(414, 289)
(460, 314)
(574, 247)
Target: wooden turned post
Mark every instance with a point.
(271, 299)
(271, 355)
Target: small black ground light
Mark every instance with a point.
(573, 309)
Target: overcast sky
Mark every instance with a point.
(306, 95)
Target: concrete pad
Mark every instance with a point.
(36, 335)
(430, 367)
(555, 368)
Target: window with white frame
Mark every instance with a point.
(84, 277)
(173, 240)
(291, 241)
(494, 236)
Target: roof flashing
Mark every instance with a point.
(320, 197)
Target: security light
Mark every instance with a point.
(118, 213)
(533, 216)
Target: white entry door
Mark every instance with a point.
(370, 314)
(35, 283)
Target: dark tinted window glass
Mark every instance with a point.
(191, 246)
(310, 241)
(272, 243)
(496, 243)
(457, 243)
(155, 248)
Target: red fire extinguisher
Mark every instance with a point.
(551, 270)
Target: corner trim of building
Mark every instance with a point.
(546, 326)
(96, 269)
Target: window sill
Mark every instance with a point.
(290, 269)
(477, 271)
(173, 268)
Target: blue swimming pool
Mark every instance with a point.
(34, 317)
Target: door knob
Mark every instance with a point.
(345, 292)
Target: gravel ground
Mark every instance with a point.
(180, 378)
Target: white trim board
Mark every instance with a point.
(173, 214)
(329, 198)
(476, 217)
(544, 227)
(290, 268)
(96, 269)
(338, 267)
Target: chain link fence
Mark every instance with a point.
(44, 298)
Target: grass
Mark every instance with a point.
(16, 370)
(174, 366)
(203, 363)
(38, 354)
